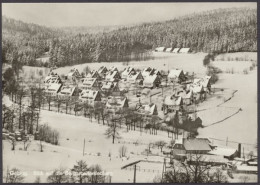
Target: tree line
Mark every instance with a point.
(222, 30)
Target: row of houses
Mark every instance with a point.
(172, 50)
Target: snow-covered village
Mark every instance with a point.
(80, 105)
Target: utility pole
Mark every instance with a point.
(164, 168)
(135, 173)
(84, 147)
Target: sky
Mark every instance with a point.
(105, 14)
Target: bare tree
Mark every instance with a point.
(160, 144)
(112, 130)
(26, 144)
(12, 140)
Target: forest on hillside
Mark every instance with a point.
(218, 31)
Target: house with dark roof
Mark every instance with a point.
(191, 146)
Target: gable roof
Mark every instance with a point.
(53, 88)
(172, 100)
(198, 144)
(134, 76)
(102, 69)
(74, 72)
(160, 49)
(150, 109)
(184, 50)
(117, 102)
(89, 82)
(127, 72)
(89, 94)
(111, 75)
(223, 151)
(175, 50)
(150, 79)
(175, 73)
(169, 49)
(67, 90)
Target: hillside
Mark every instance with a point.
(222, 30)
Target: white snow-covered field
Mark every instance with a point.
(162, 61)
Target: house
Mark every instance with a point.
(52, 78)
(113, 76)
(126, 72)
(91, 97)
(176, 75)
(229, 153)
(172, 104)
(169, 50)
(110, 87)
(205, 82)
(90, 83)
(53, 89)
(135, 78)
(146, 72)
(185, 50)
(102, 71)
(113, 68)
(187, 97)
(73, 74)
(176, 50)
(160, 49)
(93, 74)
(191, 146)
(68, 91)
(116, 104)
(152, 81)
(146, 110)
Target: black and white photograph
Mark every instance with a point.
(120, 92)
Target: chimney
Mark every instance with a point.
(239, 150)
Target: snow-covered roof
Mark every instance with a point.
(111, 75)
(169, 49)
(67, 90)
(175, 73)
(53, 88)
(102, 69)
(89, 82)
(184, 50)
(127, 72)
(117, 102)
(149, 109)
(175, 50)
(195, 88)
(223, 151)
(133, 76)
(150, 79)
(202, 81)
(196, 144)
(173, 101)
(160, 48)
(73, 72)
(88, 94)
